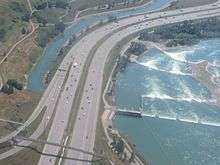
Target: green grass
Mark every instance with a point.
(16, 107)
(34, 55)
(83, 4)
(98, 6)
(11, 14)
(51, 14)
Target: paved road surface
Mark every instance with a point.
(84, 131)
(65, 105)
(78, 54)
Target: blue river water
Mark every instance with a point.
(181, 123)
(35, 81)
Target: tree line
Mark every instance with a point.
(11, 84)
(185, 33)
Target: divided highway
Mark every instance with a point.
(85, 125)
(85, 128)
(62, 91)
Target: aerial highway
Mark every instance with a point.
(122, 24)
(60, 95)
(89, 106)
(84, 131)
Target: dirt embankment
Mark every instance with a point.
(200, 72)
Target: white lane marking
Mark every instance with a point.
(60, 160)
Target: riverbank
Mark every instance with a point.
(132, 156)
(201, 73)
(188, 101)
(60, 36)
(110, 88)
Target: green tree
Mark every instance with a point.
(23, 30)
(60, 27)
(8, 89)
(14, 83)
(2, 34)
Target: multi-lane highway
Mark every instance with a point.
(84, 131)
(61, 93)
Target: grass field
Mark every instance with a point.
(97, 6)
(18, 106)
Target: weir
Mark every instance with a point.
(140, 114)
(186, 120)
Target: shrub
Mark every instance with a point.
(60, 27)
(14, 83)
(2, 34)
(8, 89)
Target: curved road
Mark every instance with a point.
(59, 100)
(88, 111)
(84, 131)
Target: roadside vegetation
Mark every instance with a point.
(189, 3)
(136, 48)
(16, 102)
(10, 86)
(185, 33)
(96, 6)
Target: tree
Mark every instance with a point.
(19, 86)
(14, 83)
(61, 4)
(136, 48)
(41, 5)
(120, 146)
(42, 39)
(132, 156)
(2, 34)
(40, 18)
(8, 89)
(60, 27)
(72, 39)
(23, 30)
(44, 21)
(26, 17)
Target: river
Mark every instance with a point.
(46, 61)
(181, 123)
(174, 100)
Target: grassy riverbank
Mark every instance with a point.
(15, 25)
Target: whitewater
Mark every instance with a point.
(181, 120)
